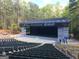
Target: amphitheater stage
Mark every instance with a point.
(35, 39)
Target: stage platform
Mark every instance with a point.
(35, 39)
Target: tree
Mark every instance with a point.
(65, 12)
(74, 14)
(6, 11)
(47, 11)
(51, 11)
(33, 10)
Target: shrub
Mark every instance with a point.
(14, 28)
(76, 32)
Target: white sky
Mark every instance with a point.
(42, 3)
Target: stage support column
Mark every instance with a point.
(23, 30)
(63, 34)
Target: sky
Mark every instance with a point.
(42, 3)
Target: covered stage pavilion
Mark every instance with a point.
(57, 28)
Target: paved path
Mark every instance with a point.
(73, 42)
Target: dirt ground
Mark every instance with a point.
(7, 32)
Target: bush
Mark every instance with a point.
(76, 32)
(14, 28)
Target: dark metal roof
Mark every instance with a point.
(52, 20)
(46, 22)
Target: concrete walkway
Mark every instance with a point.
(73, 42)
